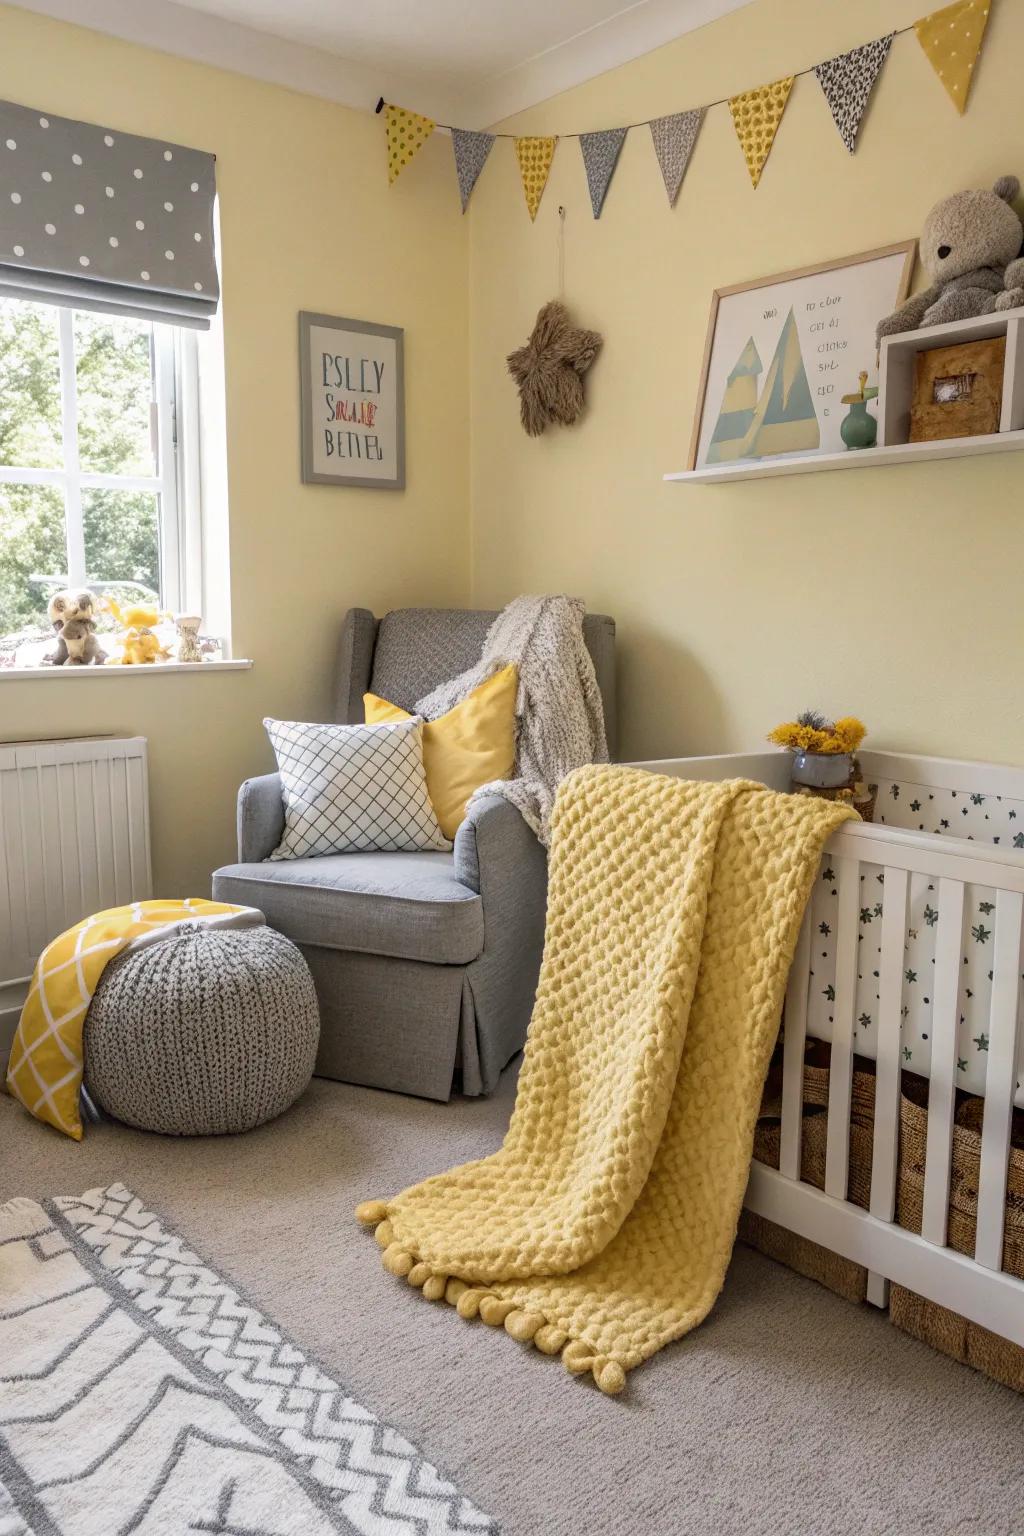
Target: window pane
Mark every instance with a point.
(30, 414)
(31, 544)
(115, 391)
(122, 543)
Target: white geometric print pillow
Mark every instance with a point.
(353, 789)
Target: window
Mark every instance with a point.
(93, 464)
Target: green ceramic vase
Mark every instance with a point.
(858, 428)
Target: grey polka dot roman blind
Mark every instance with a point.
(105, 220)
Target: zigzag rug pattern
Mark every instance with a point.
(142, 1394)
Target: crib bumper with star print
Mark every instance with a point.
(910, 961)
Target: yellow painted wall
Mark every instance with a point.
(308, 222)
(891, 593)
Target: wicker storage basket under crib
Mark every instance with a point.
(935, 1325)
(943, 1330)
(807, 1258)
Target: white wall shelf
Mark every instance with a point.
(860, 458)
(896, 374)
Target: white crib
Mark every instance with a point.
(899, 901)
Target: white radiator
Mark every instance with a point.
(74, 839)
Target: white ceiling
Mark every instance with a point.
(474, 61)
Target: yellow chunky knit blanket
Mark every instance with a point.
(602, 1228)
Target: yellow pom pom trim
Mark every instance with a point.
(494, 1311)
(384, 1235)
(609, 1375)
(577, 1357)
(398, 1260)
(371, 1212)
(468, 1304)
(433, 1288)
(550, 1340)
(523, 1325)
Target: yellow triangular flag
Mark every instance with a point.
(757, 115)
(407, 133)
(534, 156)
(951, 39)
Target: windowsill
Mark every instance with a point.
(149, 669)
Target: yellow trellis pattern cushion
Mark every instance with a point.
(45, 1068)
(534, 156)
(951, 39)
(757, 115)
(407, 133)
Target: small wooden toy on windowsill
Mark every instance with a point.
(823, 757)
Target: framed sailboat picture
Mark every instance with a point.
(782, 351)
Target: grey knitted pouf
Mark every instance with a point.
(205, 1032)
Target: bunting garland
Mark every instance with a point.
(600, 157)
(756, 116)
(673, 138)
(534, 156)
(407, 133)
(847, 82)
(471, 151)
(951, 39)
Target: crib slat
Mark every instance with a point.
(942, 1087)
(885, 1150)
(793, 1053)
(1000, 1079)
(840, 1077)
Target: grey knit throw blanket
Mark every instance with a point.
(559, 718)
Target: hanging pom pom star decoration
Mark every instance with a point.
(549, 369)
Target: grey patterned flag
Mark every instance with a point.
(674, 137)
(600, 155)
(471, 151)
(847, 81)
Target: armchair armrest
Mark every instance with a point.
(497, 855)
(496, 852)
(260, 818)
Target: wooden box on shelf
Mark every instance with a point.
(958, 391)
(915, 369)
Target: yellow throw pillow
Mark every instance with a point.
(472, 744)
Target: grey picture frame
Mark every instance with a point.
(310, 474)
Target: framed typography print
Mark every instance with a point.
(782, 351)
(353, 402)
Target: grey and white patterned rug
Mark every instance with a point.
(142, 1395)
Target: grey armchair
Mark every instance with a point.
(425, 963)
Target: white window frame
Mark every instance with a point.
(179, 520)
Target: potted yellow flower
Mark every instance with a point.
(823, 753)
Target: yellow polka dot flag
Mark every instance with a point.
(756, 116)
(534, 156)
(46, 1064)
(407, 133)
(951, 39)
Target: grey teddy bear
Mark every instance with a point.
(968, 248)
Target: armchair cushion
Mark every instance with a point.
(473, 744)
(407, 905)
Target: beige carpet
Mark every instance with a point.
(788, 1413)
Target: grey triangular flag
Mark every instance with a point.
(847, 82)
(600, 154)
(674, 137)
(471, 151)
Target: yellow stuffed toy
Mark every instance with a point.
(138, 645)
